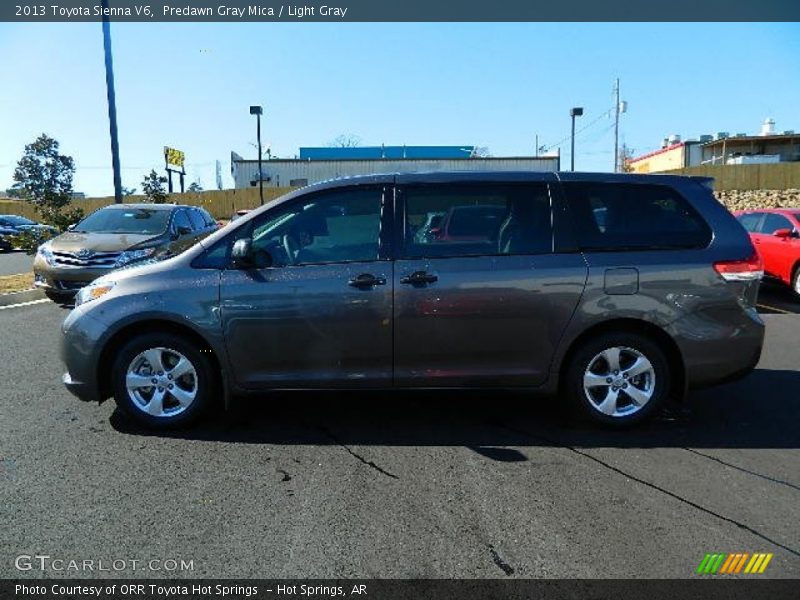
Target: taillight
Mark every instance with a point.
(741, 270)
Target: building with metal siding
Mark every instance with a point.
(383, 152)
(296, 172)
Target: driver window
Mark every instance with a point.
(773, 222)
(330, 227)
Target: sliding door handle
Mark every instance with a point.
(419, 278)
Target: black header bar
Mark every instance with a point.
(339, 11)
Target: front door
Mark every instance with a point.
(481, 298)
(321, 314)
(778, 253)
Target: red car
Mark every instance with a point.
(776, 236)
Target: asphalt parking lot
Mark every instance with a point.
(15, 262)
(481, 484)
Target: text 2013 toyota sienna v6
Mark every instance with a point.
(611, 292)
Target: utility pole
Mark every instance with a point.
(112, 104)
(620, 107)
(536, 152)
(616, 126)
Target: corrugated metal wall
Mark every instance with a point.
(282, 172)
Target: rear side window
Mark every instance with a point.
(611, 216)
(773, 222)
(181, 220)
(750, 221)
(209, 220)
(443, 220)
(198, 224)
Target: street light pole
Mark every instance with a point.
(112, 104)
(258, 111)
(616, 126)
(573, 112)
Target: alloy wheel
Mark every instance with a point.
(161, 382)
(619, 381)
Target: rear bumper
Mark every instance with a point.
(719, 351)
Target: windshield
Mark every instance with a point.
(16, 221)
(125, 220)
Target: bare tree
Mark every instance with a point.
(345, 140)
(481, 152)
(625, 156)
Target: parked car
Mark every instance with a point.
(430, 228)
(20, 224)
(113, 237)
(469, 223)
(6, 236)
(776, 236)
(329, 287)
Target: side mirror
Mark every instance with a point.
(244, 256)
(71, 227)
(782, 233)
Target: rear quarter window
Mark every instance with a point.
(611, 216)
(750, 221)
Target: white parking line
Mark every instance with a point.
(25, 304)
(780, 310)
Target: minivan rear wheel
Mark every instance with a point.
(618, 379)
(162, 381)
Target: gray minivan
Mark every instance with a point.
(612, 292)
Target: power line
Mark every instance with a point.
(605, 114)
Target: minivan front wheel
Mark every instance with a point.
(618, 379)
(162, 381)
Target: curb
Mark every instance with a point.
(17, 297)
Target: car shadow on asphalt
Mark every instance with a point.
(760, 411)
(777, 299)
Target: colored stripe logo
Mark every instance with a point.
(732, 564)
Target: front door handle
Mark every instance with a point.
(366, 280)
(419, 278)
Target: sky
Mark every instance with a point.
(497, 85)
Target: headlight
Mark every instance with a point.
(93, 291)
(132, 255)
(45, 252)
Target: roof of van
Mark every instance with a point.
(510, 176)
(149, 206)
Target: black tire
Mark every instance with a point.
(586, 401)
(60, 298)
(206, 381)
(796, 281)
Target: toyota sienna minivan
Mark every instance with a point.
(609, 292)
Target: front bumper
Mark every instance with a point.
(81, 341)
(87, 392)
(63, 280)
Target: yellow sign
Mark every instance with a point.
(174, 158)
